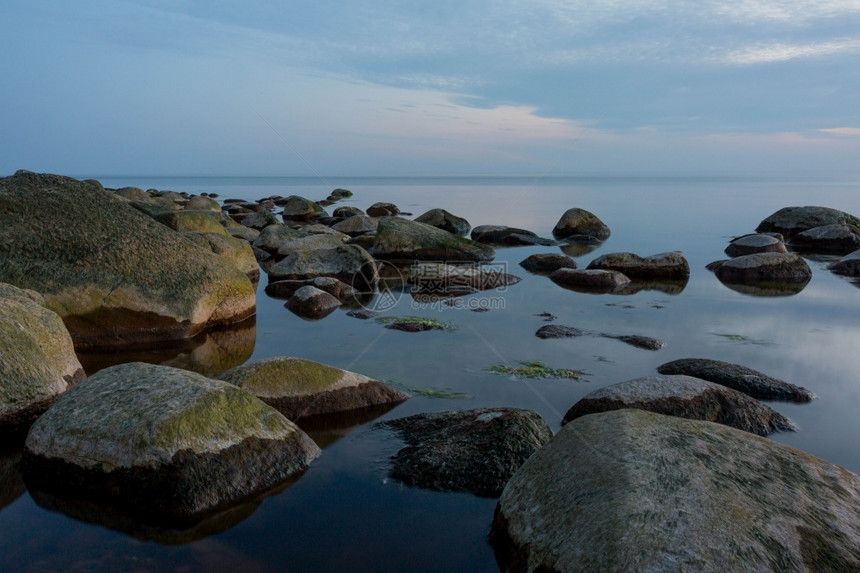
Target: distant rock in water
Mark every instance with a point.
(763, 267)
(442, 219)
(545, 263)
(382, 210)
(685, 397)
(791, 221)
(837, 238)
(671, 266)
(410, 241)
(475, 451)
(740, 378)
(752, 244)
(631, 490)
(590, 281)
(582, 224)
(561, 331)
(510, 236)
(300, 209)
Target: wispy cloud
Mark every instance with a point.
(842, 131)
(782, 52)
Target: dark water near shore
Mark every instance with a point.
(343, 513)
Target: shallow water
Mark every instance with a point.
(343, 513)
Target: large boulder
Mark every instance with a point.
(474, 450)
(580, 223)
(237, 251)
(300, 209)
(113, 274)
(740, 378)
(685, 397)
(763, 268)
(442, 219)
(511, 236)
(164, 443)
(312, 303)
(758, 243)
(837, 238)
(590, 281)
(383, 209)
(208, 221)
(272, 237)
(631, 490)
(672, 266)
(790, 221)
(441, 279)
(37, 358)
(310, 243)
(546, 263)
(357, 225)
(348, 263)
(849, 265)
(402, 239)
(302, 388)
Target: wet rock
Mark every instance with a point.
(132, 193)
(580, 222)
(300, 209)
(347, 211)
(511, 236)
(312, 303)
(356, 225)
(302, 388)
(236, 251)
(751, 244)
(114, 275)
(348, 263)
(474, 450)
(310, 243)
(763, 267)
(631, 490)
(672, 266)
(273, 236)
(442, 219)
(338, 289)
(560, 331)
(401, 239)
(37, 358)
(260, 220)
(740, 378)
(439, 278)
(837, 238)
(200, 203)
(545, 263)
(639, 341)
(590, 281)
(206, 221)
(791, 221)
(163, 443)
(245, 233)
(383, 210)
(849, 265)
(341, 193)
(684, 397)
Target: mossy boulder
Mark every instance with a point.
(631, 490)
(303, 388)
(298, 208)
(790, 221)
(37, 358)
(401, 239)
(206, 221)
(684, 397)
(672, 265)
(580, 223)
(201, 203)
(474, 451)
(164, 443)
(113, 274)
(237, 251)
(442, 219)
(311, 243)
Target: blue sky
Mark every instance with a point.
(383, 87)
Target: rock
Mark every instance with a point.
(341, 193)
(302, 388)
(37, 358)
(113, 274)
(310, 243)
(300, 209)
(592, 281)
(245, 233)
(580, 222)
(560, 331)
(639, 341)
(763, 267)
(235, 250)
(347, 211)
(164, 443)
(684, 397)
(132, 193)
(631, 490)
(402, 239)
(511, 236)
(751, 244)
(672, 266)
(200, 203)
(545, 263)
(382, 210)
(261, 220)
(357, 225)
(192, 221)
(348, 263)
(791, 221)
(442, 279)
(474, 450)
(740, 378)
(849, 265)
(273, 236)
(338, 289)
(837, 238)
(442, 219)
(312, 303)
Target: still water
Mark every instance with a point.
(344, 513)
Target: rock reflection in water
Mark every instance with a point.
(767, 289)
(11, 483)
(326, 429)
(670, 287)
(210, 354)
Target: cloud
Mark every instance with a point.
(782, 52)
(843, 131)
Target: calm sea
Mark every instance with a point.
(344, 513)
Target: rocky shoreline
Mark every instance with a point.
(169, 447)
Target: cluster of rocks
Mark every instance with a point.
(767, 263)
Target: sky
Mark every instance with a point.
(383, 87)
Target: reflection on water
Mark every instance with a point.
(670, 287)
(578, 249)
(11, 483)
(767, 288)
(211, 353)
(326, 429)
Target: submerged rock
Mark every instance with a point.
(837, 238)
(312, 303)
(685, 397)
(591, 281)
(37, 358)
(790, 221)
(302, 388)
(561, 331)
(501, 235)
(442, 219)
(672, 266)
(474, 450)
(167, 444)
(580, 223)
(401, 239)
(631, 490)
(740, 378)
(545, 263)
(113, 274)
(751, 244)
